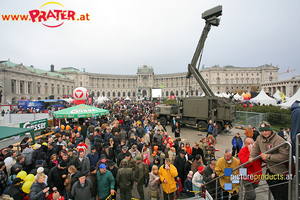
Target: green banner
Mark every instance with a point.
(37, 125)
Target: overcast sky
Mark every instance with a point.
(125, 34)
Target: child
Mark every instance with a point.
(188, 148)
(188, 186)
(237, 144)
(178, 186)
(145, 159)
(155, 152)
(211, 148)
(198, 181)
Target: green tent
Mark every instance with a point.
(7, 132)
(80, 111)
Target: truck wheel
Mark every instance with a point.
(203, 125)
(220, 128)
(163, 121)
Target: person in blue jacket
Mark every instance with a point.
(237, 144)
(93, 156)
(295, 128)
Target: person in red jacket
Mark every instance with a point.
(188, 148)
(253, 170)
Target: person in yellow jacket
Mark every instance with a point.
(167, 174)
(228, 162)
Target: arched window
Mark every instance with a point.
(133, 94)
(128, 94)
(98, 94)
(108, 94)
(192, 92)
(181, 92)
(167, 93)
(171, 93)
(114, 94)
(176, 93)
(124, 94)
(103, 94)
(218, 80)
(119, 94)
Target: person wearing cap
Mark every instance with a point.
(14, 191)
(197, 181)
(73, 157)
(134, 152)
(83, 163)
(267, 140)
(167, 174)
(111, 166)
(82, 189)
(188, 185)
(93, 157)
(131, 162)
(92, 176)
(125, 180)
(140, 173)
(121, 155)
(105, 183)
(179, 163)
(253, 169)
(208, 175)
(228, 161)
(42, 170)
(57, 176)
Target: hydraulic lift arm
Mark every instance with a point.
(211, 18)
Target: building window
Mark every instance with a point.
(206, 74)
(80, 83)
(124, 94)
(21, 87)
(39, 90)
(242, 74)
(257, 80)
(13, 87)
(133, 94)
(128, 94)
(46, 90)
(231, 74)
(226, 81)
(271, 78)
(270, 73)
(167, 93)
(181, 93)
(29, 88)
(108, 94)
(119, 94)
(237, 74)
(218, 80)
(123, 85)
(114, 94)
(226, 74)
(128, 85)
(63, 90)
(52, 90)
(242, 81)
(57, 90)
(231, 81)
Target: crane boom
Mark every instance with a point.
(211, 18)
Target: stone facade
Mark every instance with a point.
(288, 87)
(20, 81)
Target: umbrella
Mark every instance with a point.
(80, 111)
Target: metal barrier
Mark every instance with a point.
(297, 154)
(290, 160)
(246, 118)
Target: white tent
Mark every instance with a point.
(277, 96)
(238, 97)
(127, 99)
(291, 100)
(263, 98)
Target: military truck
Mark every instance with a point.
(197, 111)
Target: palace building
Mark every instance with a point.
(18, 81)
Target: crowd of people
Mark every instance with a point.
(130, 148)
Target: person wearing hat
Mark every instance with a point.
(108, 152)
(179, 163)
(140, 173)
(83, 163)
(131, 162)
(111, 166)
(134, 152)
(102, 160)
(93, 157)
(82, 189)
(125, 180)
(188, 185)
(105, 183)
(14, 190)
(267, 140)
(57, 176)
(39, 163)
(92, 176)
(197, 181)
(36, 152)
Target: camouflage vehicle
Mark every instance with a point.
(197, 111)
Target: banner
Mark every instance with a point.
(37, 125)
(282, 97)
